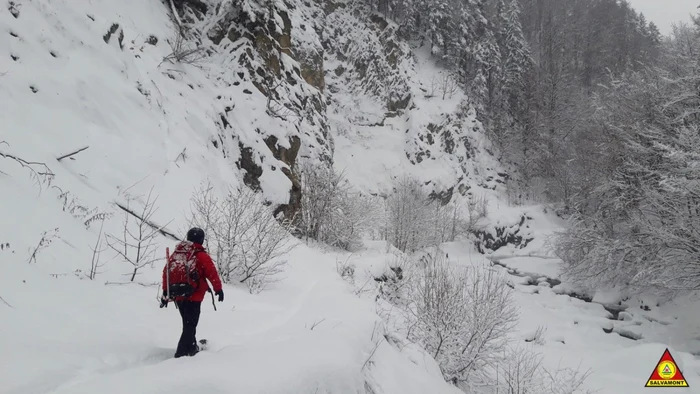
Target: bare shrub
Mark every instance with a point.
(444, 222)
(243, 236)
(461, 316)
(446, 85)
(47, 238)
(346, 269)
(408, 216)
(78, 210)
(137, 242)
(396, 286)
(538, 336)
(39, 172)
(416, 220)
(477, 209)
(181, 51)
(566, 380)
(95, 264)
(275, 108)
(331, 212)
(520, 372)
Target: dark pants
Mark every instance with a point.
(189, 311)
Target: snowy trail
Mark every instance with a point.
(267, 332)
(308, 333)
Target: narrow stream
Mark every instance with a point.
(534, 279)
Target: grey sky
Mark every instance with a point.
(665, 12)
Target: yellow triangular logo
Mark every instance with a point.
(667, 373)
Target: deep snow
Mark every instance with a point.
(63, 88)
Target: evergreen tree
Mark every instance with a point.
(515, 55)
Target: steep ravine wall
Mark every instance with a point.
(273, 67)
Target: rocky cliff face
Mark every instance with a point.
(276, 72)
(306, 73)
(388, 99)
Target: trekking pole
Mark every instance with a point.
(167, 272)
(167, 279)
(212, 298)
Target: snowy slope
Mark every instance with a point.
(67, 84)
(309, 334)
(153, 124)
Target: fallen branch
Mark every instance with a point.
(6, 303)
(72, 153)
(376, 346)
(317, 323)
(160, 229)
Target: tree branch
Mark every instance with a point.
(72, 153)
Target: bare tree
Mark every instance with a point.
(448, 85)
(137, 242)
(245, 239)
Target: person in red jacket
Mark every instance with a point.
(190, 305)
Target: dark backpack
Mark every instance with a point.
(182, 273)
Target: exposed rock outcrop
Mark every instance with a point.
(279, 66)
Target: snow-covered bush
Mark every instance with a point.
(331, 212)
(414, 220)
(461, 316)
(346, 269)
(520, 371)
(396, 283)
(242, 235)
(408, 216)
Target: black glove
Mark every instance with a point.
(163, 302)
(220, 293)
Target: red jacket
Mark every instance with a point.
(206, 269)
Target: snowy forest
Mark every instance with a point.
(594, 110)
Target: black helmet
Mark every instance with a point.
(196, 235)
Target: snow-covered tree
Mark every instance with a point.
(515, 55)
(332, 212)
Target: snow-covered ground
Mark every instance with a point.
(584, 335)
(63, 87)
(308, 334)
(67, 84)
